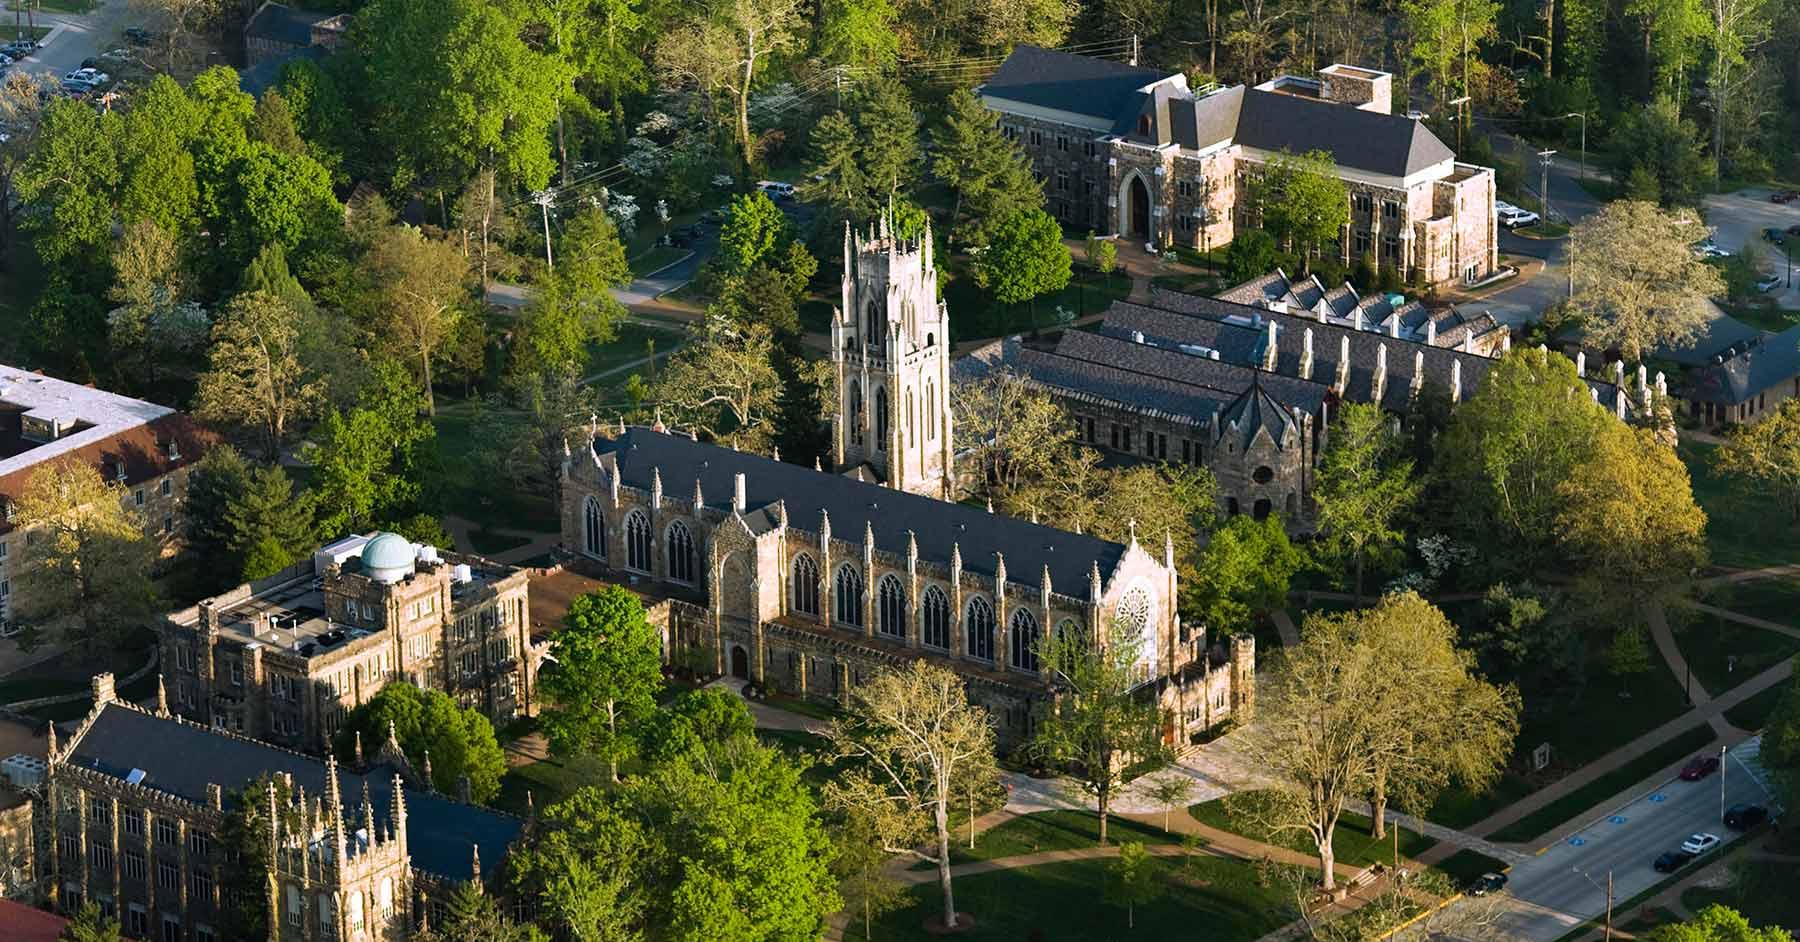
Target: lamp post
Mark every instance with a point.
(1461, 118)
(1722, 783)
(1609, 896)
(1583, 117)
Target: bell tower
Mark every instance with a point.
(890, 344)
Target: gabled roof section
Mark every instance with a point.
(1256, 411)
(181, 758)
(1394, 145)
(856, 505)
(1757, 367)
(1096, 88)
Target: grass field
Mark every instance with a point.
(1560, 811)
(1465, 865)
(979, 316)
(1764, 893)
(1724, 653)
(1050, 830)
(1754, 712)
(1740, 530)
(631, 341)
(1776, 600)
(1217, 899)
(1351, 841)
(474, 496)
(549, 781)
(489, 543)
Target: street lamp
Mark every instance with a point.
(1722, 750)
(1583, 117)
(1609, 895)
(1461, 119)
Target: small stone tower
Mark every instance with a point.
(335, 873)
(890, 345)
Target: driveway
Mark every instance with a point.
(1738, 220)
(75, 38)
(1527, 300)
(1550, 895)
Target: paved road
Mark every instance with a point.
(1738, 220)
(76, 38)
(1527, 300)
(1549, 893)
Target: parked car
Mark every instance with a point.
(139, 36)
(1794, 230)
(1487, 883)
(1699, 844)
(1774, 235)
(1745, 816)
(1768, 283)
(1671, 861)
(1707, 248)
(777, 189)
(714, 216)
(20, 48)
(1513, 217)
(1784, 196)
(1699, 767)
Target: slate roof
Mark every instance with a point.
(183, 758)
(852, 504)
(143, 449)
(1722, 335)
(284, 24)
(1160, 356)
(1765, 364)
(1366, 140)
(1084, 85)
(1257, 411)
(1109, 383)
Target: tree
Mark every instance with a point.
(720, 49)
(913, 734)
(270, 526)
(1344, 719)
(1010, 429)
(584, 865)
(69, 178)
(724, 382)
(861, 867)
(1025, 258)
(90, 925)
(1638, 287)
(523, 435)
(1303, 201)
(244, 834)
(180, 20)
(1132, 880)
(888, 124)
(1718, 923)
(422, 287)
(989, 173)
(483, 215)
(1099, 723)
(153, 330)
(1251, 254)
(755, 230)
(85, 570)
(1666, 149)
(739, 851)
(1243, 571)
(221, 476)
(373, 462)
(1102, 254)
(1526, 638)
(1171, 791)
(256, 380)
(1736, 28)
(835, 176)
(1629, 654)
(609, 669)
(473, 916)
(22, 104)
(1763, 457)
(283, 199)
(452, 86)
(576, 307)
(858, 33)
(1444, 35)
(459, 741)
(273, 125)
(693, 719)
(1629, 521)
(1363, 486)
(1781, 744)
(1507, 450)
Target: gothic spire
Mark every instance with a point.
(162, 696)
(334, 806)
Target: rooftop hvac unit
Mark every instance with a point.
(464, 573)
(136, 777)
(23, 771)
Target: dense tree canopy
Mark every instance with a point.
(458, 741)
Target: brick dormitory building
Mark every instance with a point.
(1135, 152)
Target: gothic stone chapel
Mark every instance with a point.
(806, 582)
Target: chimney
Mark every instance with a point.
(1306, 353)
(102, 688)
(1271, 352)
(1455, 380)
(1581, 363)
(737, 492)
(1431, 331)
(1380, 382)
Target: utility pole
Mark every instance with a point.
(1134, 49)
(1722, 783)
(1609, 901)
(1583, 117)
(1461, 118)
(1544, 181)
(544, 199)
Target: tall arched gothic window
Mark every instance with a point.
(874, 330)
(881, 417)
(936, 611)
(849, 595)
(806, 585)
(593, 529)
(856, 413)
(681, 553)
(978, 626)
(930, 410)
(1022, 637)
(637, 541)
(1068, 631)
(890, 604)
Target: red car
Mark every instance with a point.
(1785, 196)
(1699, 767)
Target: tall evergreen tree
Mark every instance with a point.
(271, 526)
(990, 174)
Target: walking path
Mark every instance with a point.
(1671, 654)
(1750, 575)
(1746, 619)
(1290, 635)
(536, 544)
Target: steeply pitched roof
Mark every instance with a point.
(284, 24)
(1097, 88)
(1365, 140)
(182, 758)
(854, 505)
(1256, 411)
(1762, 365)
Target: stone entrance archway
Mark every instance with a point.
(1137, 201)
(740, 662)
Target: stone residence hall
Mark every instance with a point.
(1133, 151)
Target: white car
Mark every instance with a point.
(1707, 248)
(1699, 844)
(85, 79)
(1768, 283)
(1512, 217)
(777, 189)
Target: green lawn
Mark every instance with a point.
(1754, 712)
(1217, 899)
(631, 341)
(1051, 830)
(476, 497)
(978, 316)
(1351, 841)
(1602, 720)
(489, 543)
(1458, 808)
(805, 706)
(1764, 893)
(1582, 800)
(1761, 313)
(549, 781)
(1723, 653)
(1776, 600)
(1741, 531)
(656, 258)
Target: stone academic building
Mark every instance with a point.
(806, 581)
(1133, 151)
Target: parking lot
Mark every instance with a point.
(1738, 219)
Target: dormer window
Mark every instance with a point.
(174, 450)
(119, 469)
(1143, 125)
